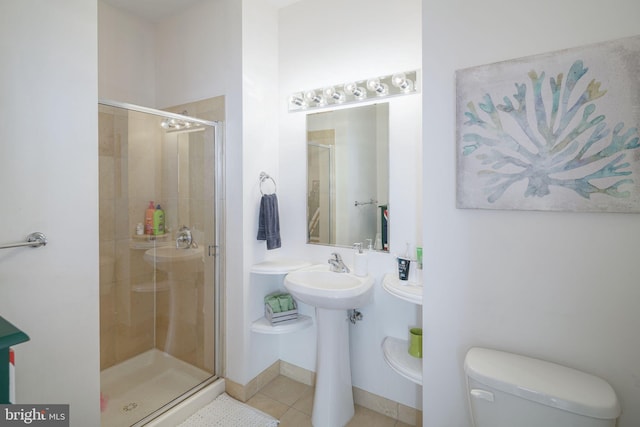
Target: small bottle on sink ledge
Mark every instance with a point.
(359, 261)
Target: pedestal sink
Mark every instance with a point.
(182, 266)
(332, 294)
(176, 260)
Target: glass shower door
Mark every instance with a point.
(158, 301)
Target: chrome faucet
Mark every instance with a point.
(336, 264)
(184, 239)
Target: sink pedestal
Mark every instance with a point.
(332, 294)
(333, 401)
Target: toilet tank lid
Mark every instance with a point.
(543, 382)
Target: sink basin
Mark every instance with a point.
(173, 260)
(318, 286)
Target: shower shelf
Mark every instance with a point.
(147, 242)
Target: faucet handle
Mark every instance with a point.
(184, 239)
(336, 256)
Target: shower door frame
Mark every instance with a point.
(216, 250)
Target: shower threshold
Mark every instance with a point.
(137, 387)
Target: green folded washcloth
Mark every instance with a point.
(286, 302)
(274, 304)
(279, 302)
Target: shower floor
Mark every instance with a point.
(135, 388)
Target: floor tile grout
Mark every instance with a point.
(291, 402)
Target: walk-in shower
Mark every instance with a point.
(159, 293)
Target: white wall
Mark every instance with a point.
(126, 57)
(260, 153)
(49, 176)
(329, 42)
(198, 53)
(559, 286)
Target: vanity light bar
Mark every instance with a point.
(403, 83)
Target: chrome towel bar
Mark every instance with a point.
(34, 240)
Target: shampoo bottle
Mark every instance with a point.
(359, 261)
(158, 221)
(148, 219)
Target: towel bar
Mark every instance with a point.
(34, 240)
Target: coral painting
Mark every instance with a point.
(557, 131)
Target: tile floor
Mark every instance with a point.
(291, 402)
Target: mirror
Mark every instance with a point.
(348, 177)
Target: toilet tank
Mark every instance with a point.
(508, 390)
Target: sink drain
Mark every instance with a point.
(129, 407)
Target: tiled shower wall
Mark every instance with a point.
(127, 164)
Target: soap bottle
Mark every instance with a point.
(359, 261)
(418, 275)
(148, 219)
(158, 221)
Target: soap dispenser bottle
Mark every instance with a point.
(359, 261)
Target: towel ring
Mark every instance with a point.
(263, 177)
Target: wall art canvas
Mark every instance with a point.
(556, 131)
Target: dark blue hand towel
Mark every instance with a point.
(269, 221)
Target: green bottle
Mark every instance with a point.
(158, 221)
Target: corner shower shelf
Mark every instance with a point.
(396, 354)
(147, 242)
(280, 266)
(405, 290)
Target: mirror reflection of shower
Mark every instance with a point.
(158, 311)
(348, 176)
(321, 194)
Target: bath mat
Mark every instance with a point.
(227, 412)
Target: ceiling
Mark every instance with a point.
(158, 10)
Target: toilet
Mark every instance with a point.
(509, 390)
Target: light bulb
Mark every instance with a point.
(332, 93)
(353, 89)
(401, 81)
(297, 100)
(374, 85)
(311, 96)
